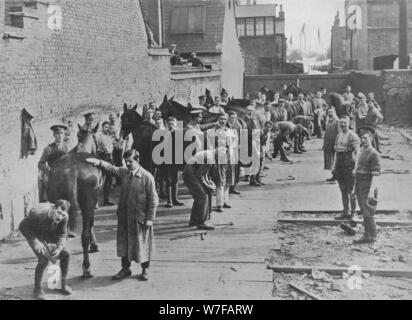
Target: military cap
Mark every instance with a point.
(369, 100)
(56, 127)
(88, 115)
(196, 111)
(202, 96)
(362, 130)
(281, 100)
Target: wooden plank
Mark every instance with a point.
(303, 290)
(406, 136)
(338, 271)
(335, 212)
(332, 222)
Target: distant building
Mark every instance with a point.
(207, 28)
(338, 53)
(262, 37)
(374, 43)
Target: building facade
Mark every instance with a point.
(261, 31)
(206, 28)
(372, 35)
(60, 61)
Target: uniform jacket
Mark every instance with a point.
(38, 226)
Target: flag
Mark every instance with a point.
(319, 35)
(290, 41)
(303, 29)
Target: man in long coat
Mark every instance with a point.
(136, 213)
(331, 132)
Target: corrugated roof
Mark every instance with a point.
(260, 10)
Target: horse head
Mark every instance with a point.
(171, 108)
(130, 119)
(87, 140)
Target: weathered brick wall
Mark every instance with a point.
(397, 92)
(96, 62)
(188, 87)
(261, 47)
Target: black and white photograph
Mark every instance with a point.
(205, 150)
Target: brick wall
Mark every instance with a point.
(96, 62)
(262, 47)
(397, 93)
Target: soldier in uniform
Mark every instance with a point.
(368, 169)
(45, 229)
(89, 120)
(51, 153)
(105, 149)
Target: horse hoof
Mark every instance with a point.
(94, 248)
(87, 274)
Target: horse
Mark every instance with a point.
(73, 179)
(142, 131)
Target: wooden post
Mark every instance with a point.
(403, 34)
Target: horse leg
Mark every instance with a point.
(88, 234)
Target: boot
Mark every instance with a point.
(175, 201)
(343, 216)
(232, 190)
(372, 228)
(365, 239)
(253, 182)
(296, 150)
(125, 272)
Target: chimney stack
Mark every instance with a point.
(281, 12)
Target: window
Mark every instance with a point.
(269, 26)
(188, 20)
(250, 27)
(260, 26)
(14, 14)
(241, 27)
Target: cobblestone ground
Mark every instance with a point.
(231, 262)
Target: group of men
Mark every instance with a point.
(216, 170)
(354, 161)
(176, 59)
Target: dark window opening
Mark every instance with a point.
(188, 20)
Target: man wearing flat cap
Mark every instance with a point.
(373, 119)
(51, 153)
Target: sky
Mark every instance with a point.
(316, 14)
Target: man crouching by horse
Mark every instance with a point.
(136, 213)
(45, 229)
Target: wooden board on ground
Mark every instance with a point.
(335, 212)
(332, 222)
(339, 271)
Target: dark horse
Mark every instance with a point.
(142, 131)
(73, 179)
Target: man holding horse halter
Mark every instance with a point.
(136, 213)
